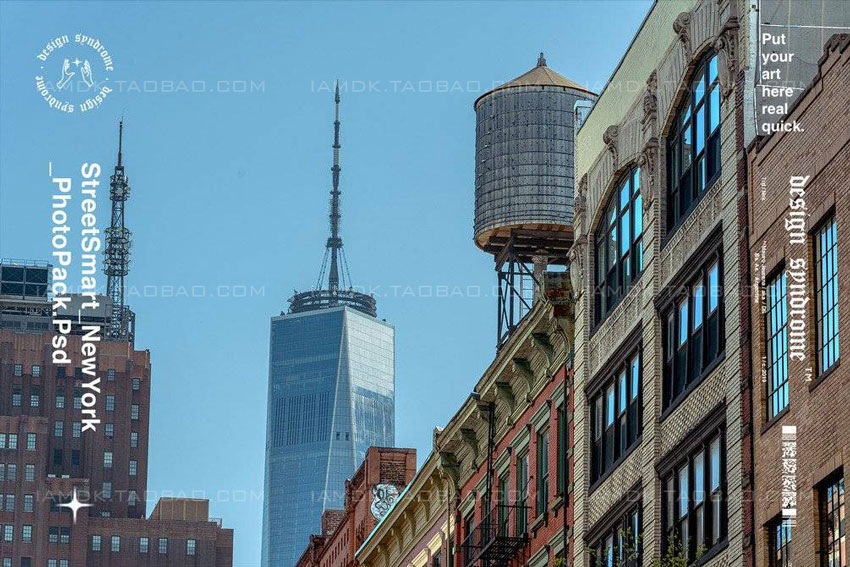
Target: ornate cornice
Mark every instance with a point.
(682, 27)
(726, 47)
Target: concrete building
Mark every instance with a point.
(424, 507)
(661, 356)
(45, 453)
(800, 396)
(369, 495)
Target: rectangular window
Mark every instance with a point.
(561, 466)
(190, 549)
(616, 416)
(35, 397)
(163, 545)
(60, 398)
(76, 429)
(19, 370)
(30, 441)
(133, 466)
(143, 545)
(110, 402)
(110, 375)
(826, 296)
(522, 493)
(26, 534)
(78, 399)
(64, 535)
(29, 502)
(13, 440)
(134, 412)
(109, 430)
(36, 370)
(134, 439)
(542, 472)
(53, 534)
(693, 332)
(779, 543)
(833, 518)
(8, 532)
(694, 509)
(107, 459)
(58, 428)
(115, 544)
(29, 472)
(106, 491)
(776, 341)
(137, 384)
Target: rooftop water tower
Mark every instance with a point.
(524, 181)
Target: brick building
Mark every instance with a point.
(506, 448)
(424, 507)
(801, 290)
(661, 355)
(45, 453)
(369, 495)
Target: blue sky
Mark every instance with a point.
(230, 191)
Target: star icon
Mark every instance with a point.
(74, 505)
(77, 61)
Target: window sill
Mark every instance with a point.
(557, 504)
(694, 206)
(716, 550)
(822, 378)
(692, 386)
(539, 522)
(775, 419)
(595, 484)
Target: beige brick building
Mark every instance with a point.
(660, 356)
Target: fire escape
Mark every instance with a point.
(500, 538)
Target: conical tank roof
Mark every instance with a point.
(539, 76)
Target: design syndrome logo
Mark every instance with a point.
(74, 75)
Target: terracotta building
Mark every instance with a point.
(46, 453)
(424, 510)
(661, 355)
(369, 495)
(801, 408)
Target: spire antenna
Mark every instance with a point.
(334, 243)
(116, 262)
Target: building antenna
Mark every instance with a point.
(116, 263)
(333, 247)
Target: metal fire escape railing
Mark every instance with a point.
(498, 538)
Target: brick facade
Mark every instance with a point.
(337, 546)
(820, 407)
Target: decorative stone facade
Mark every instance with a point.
(629, 127)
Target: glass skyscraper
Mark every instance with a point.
(331, 396)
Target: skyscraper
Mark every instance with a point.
(331, 396)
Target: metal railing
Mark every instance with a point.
(498, 538)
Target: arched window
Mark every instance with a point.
(618, 244)
(693, 146)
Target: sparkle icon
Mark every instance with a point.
(74, 505)
(77, 61)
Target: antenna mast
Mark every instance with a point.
(334, 243)
(117, 253)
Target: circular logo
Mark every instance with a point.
(383, 497)
(74, 73)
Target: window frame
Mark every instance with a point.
(611, 532)
(614, 279)
(776, 341)
(614, 439)
(542, 472)
(713, 507)
(833, 482)
(780, 538)
(821, 320)
(680, 376)
(681, 177)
